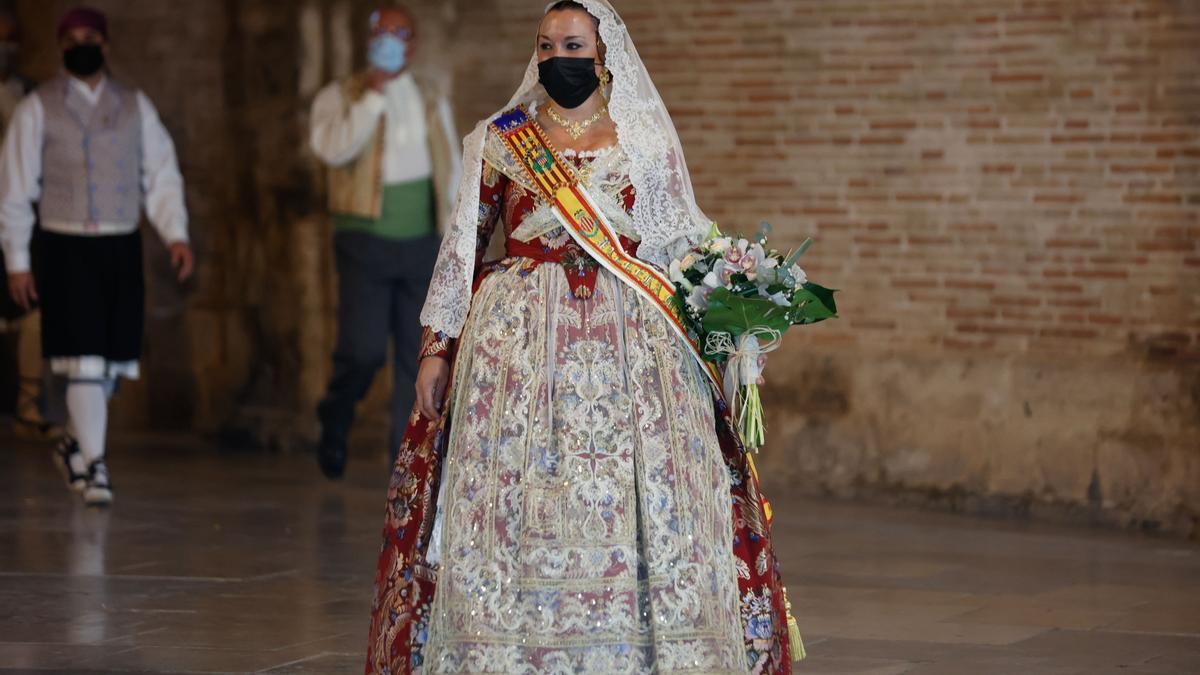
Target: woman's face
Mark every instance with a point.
(570, 33)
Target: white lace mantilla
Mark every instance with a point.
(665, 216)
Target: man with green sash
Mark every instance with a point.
(389, 141)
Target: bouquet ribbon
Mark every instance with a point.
(743, 365)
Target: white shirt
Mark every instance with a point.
(338, 135)
(21, 176)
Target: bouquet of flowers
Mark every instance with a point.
(740, 296)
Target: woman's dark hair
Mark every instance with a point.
(562, 5)
(565, 5)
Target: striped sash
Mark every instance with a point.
(579, 216)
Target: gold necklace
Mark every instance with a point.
(575, 129)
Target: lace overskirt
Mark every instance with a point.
(587, 516)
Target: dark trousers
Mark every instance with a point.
(381, 289)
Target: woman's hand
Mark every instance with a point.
(432, 377)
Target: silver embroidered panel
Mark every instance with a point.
(588, 524)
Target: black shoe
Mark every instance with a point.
(331, 456)
(71, 464)
(99, 487)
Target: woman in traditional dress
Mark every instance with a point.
(569, 497)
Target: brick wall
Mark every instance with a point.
(1006, 191)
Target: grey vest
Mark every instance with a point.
(91, 156)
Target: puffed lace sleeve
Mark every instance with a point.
(492, 184)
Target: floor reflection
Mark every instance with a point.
(85, 558)
(220, 562)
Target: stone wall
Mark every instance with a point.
(1006, 191)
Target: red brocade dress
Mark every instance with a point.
(593, 512)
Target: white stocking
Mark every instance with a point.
(87, 405)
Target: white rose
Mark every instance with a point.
(720, 244)
(675, 271)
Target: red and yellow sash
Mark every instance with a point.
(580, 217)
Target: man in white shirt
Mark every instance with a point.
(394, 159)
(91, 152)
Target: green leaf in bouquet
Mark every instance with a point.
(795, 256)
(733, 314)
(813, 303)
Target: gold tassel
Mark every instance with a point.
(795, 644)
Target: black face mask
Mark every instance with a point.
(569, 81)
(83, 60)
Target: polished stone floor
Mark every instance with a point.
(215, 561)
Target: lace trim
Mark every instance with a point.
(588, 154)
(97, 367)
(496, 154)
(434, 343)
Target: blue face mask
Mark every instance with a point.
(387, 53)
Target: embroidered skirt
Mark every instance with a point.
(587, 518)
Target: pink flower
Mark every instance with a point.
(719, 276)
(752, 260)
(749, 264)
(734, 255)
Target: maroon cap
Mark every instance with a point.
(83, 17)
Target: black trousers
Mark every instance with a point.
(381, 289)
